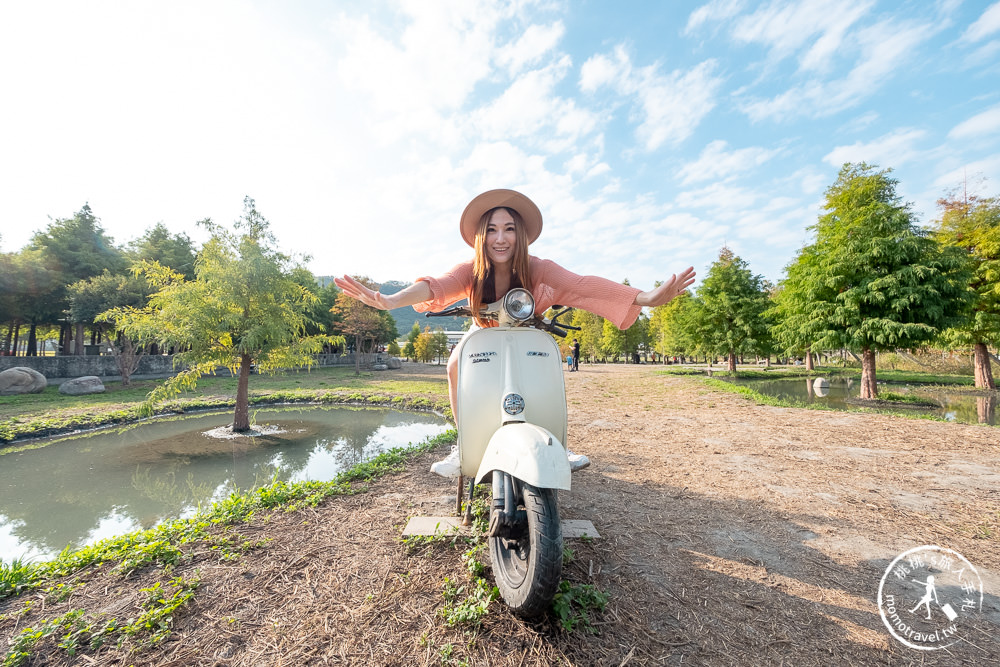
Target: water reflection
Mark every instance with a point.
(79, 490)
(835, 391)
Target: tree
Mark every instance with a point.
(800, 304)
(90, 299)
(424, 346)
(242, 311)
(729, 317)
(670, 327)
(362, 322)
(972, 224)
(174, 251)
(591, 333)
(410, 349)
(439, 344)
(888, 285)
(34, 294)
(75, 249)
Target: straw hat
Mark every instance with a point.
(494, 199)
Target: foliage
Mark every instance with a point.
(573, 604)
(794, 310)
(467, 603)
(175, 251)
(972, 225)
(671, 327)
(77, 247)
(591, 333)
(242, 310)
(887, 284)
(728, 318)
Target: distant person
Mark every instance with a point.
(500, 225)
(576, 355)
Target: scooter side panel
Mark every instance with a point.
(483, 379)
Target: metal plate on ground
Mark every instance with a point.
(445, 525)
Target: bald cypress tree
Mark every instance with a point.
(885, 284)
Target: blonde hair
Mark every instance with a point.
(482, 266)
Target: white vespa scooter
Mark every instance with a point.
(512, 429)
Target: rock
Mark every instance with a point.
(394, 364)
(88, 384)
(379, 367)
(821, 386)
(21, 380)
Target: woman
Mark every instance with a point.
(500, 225)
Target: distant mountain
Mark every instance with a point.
(405, 317)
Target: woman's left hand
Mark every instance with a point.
(668, 290)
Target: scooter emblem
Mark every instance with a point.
(513, 404)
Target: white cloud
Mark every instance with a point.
(787, 27)
(987, 169)
(884, 48)
(715, 162)
(670, 106)
(985, 25)
(984, 124)
(891, 150)
(713, 12)
(535, 42)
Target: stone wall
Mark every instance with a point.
(150, 366)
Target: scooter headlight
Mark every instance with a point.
(519, 304)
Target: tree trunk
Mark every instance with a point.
(986, 407)
(357, 355)
(241, 419)
(869, 388)
(17, 335)
(79, 339)
(809, 361)
(32, 341)
(981, 363)
(7, 339)
(732, 361)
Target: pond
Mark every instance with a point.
(952, 403)
(79, 490)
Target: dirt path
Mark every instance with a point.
(732, 534)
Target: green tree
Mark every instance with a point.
(174, 251)
(729, 317)
(242, 310)
(410, 349)
(670, 327)
(800, 305)
(393, 348)
(972, 224)
(75, 249)
(591, 333)
(90, 299)
(33, 295)
(889, 285)
(439, 344)
(424, 346)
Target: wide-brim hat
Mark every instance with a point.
(495, 199)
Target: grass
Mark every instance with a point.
(49, 413)
(165, 546)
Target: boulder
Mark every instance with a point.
(394, 364)
(21, 380)
(379, 367)
(88, 384)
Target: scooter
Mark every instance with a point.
(512, 432)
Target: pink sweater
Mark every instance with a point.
(552, 285)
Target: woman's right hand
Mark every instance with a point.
(365, 295)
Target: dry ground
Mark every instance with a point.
(732, 534)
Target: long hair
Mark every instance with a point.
(483, 275)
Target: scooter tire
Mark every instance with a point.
(528, 570)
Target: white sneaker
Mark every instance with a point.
(577, 461)
(449, 466)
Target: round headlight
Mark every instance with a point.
(519, 304)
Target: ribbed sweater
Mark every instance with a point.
(551, 284)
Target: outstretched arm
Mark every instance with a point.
(418, 292)
(668, 290)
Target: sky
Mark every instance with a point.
(650, 134)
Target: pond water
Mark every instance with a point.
(951, 404)
(79, 490)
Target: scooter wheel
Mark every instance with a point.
(528, 569)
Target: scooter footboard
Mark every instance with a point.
(528, 452)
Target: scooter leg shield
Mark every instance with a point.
(528, 452)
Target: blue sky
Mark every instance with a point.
(650, 134)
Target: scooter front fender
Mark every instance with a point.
(530, 453)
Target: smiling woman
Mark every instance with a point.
(500, 225)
